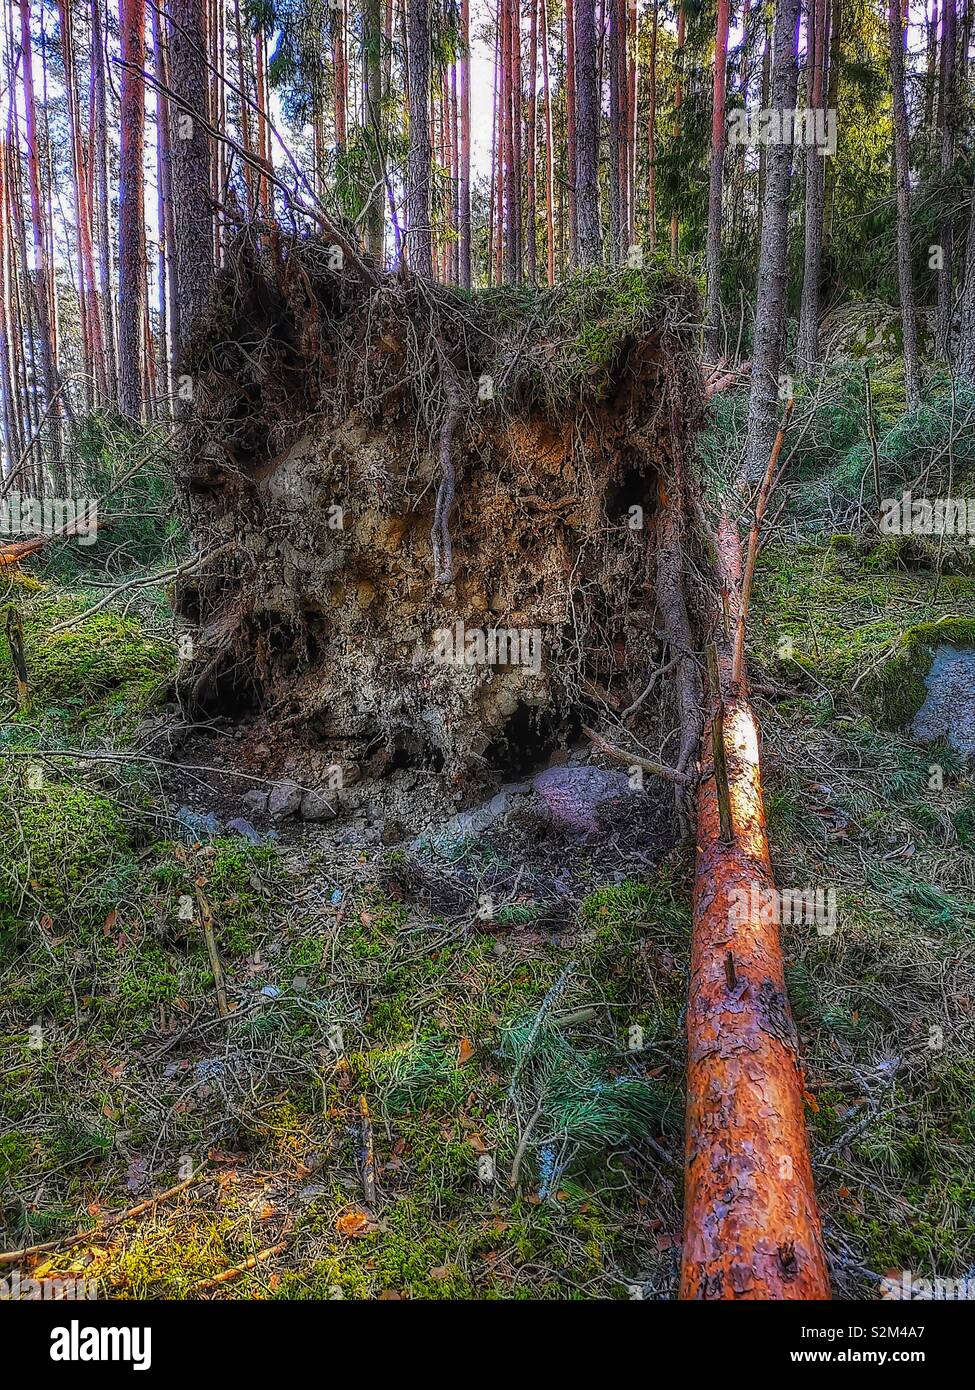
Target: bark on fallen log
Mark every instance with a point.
(21, 550)
(18, 551)
(752, 1228)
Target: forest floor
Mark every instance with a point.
(523, 1081)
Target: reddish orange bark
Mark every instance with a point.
(20, 550)
(751, 1224)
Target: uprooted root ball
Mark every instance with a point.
(434, 513)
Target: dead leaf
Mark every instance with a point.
(355, 1223)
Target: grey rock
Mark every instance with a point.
(316, 806)
(284, 801)
(256, 800)
(574, 795)
(948, 711)
(246, 831)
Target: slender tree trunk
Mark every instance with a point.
(260, 91)
(773, 254)
(42, 295)
(101, 201)
(966, 341)
(549, 159)
(912, 382)
(531, 229)
(419, 237)
(132, 245)
(516, 130)
(163, 206)
(764, 101)
(587, 136)
(464, 181)
(372, 104)
(652, 131)
(835, 51)
(712, 335)
(191, 169)
(947, 118)
(494, 198)
(808, 345)
(930, 76)
(571, 172)
(632, 123)
(678, 103)
(9, 413)
(617, 129)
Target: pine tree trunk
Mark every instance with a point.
(808, 345)
(41, 282)
(617, 149)
(549, 159)
(419, 236)
(587, 136)
(632, 123)
(571, 171)
(191, 166)
(464, 180)
(372, 105)
(652, 131)
(516, 132)
(947, 115)
(773, 254)
(712, 336)
(531, 230)
(164, 200)
(678, 103)
(132, 248)
(101, 202)
(966, 341)
(912, 382)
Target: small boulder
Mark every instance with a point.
(317, 806)
(575, 795)
(949, 708)
(284, 800)
(256, 801)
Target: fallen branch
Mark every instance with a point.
(147, 581)
(764, 493)
(751, 1223)
(635, 760)
(250, 1263)
(17, 551)
(9, 1257)
(367, 1154)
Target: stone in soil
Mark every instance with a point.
(285, 800)
(316, 806)
(948, 711)
(574, 795)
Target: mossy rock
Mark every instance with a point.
(895, 691)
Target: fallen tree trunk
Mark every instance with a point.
(18, 551)
(751, 1223)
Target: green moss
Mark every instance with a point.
(820, 617)
(895, 691)
(16, 1149)
(52, 836)
(104, 667)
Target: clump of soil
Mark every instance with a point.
(379, 468)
